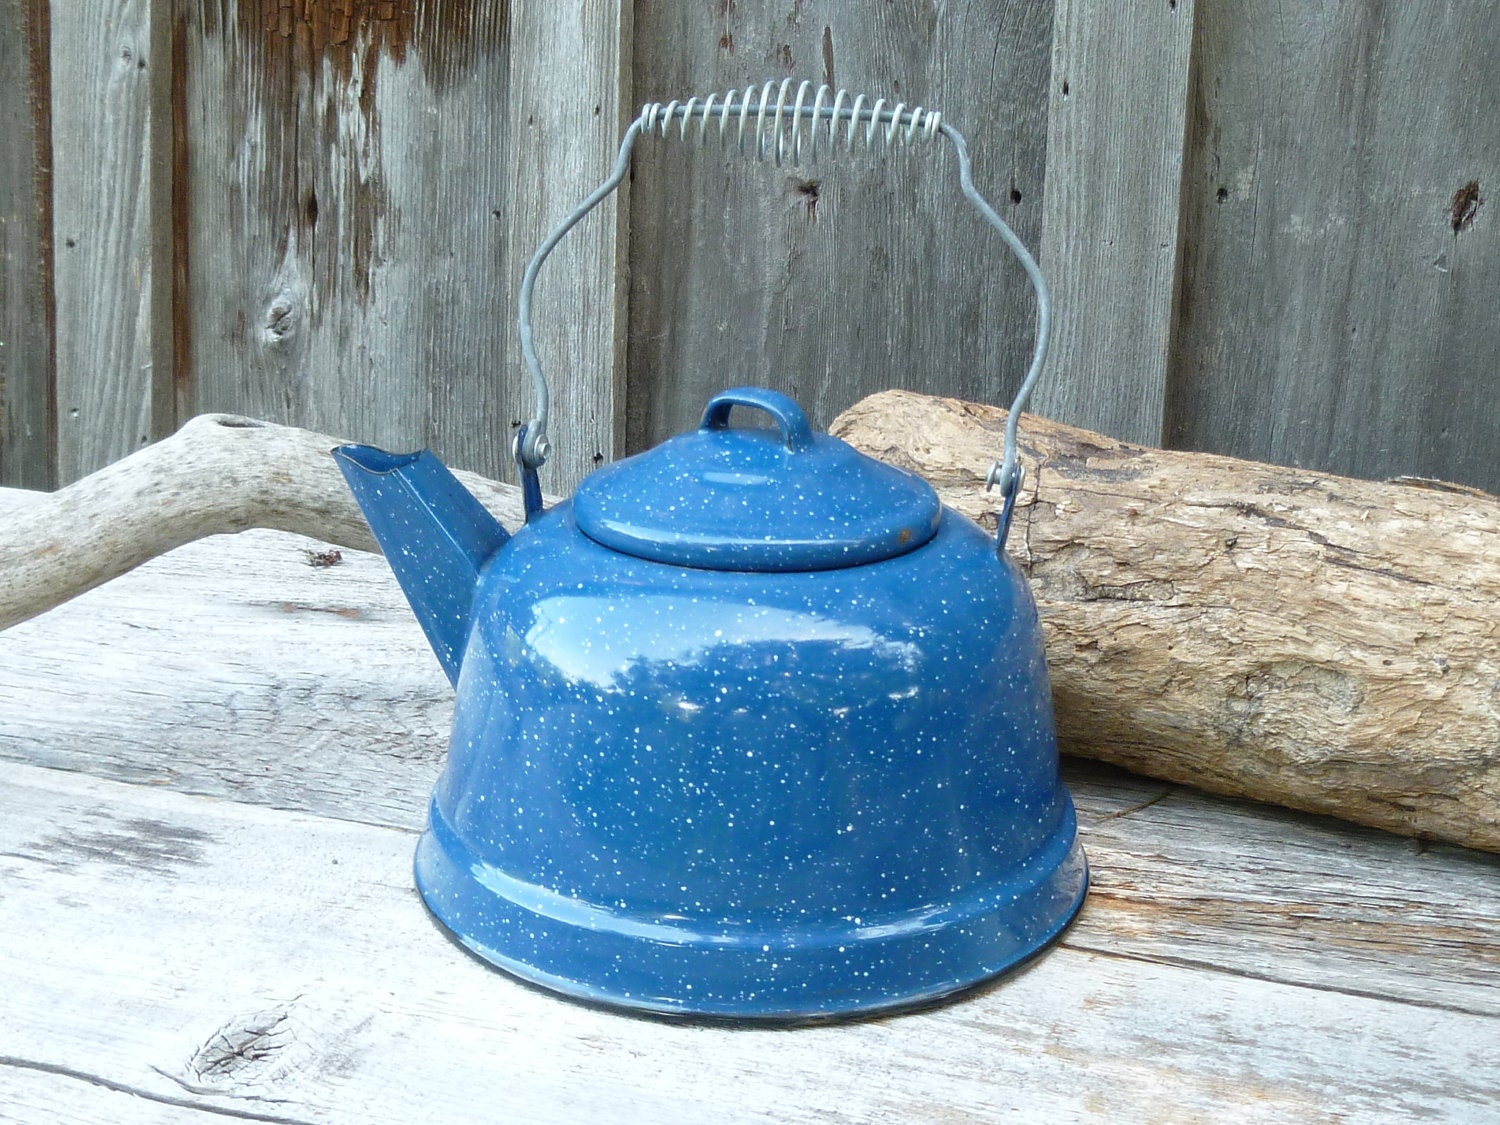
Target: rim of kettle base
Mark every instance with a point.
(772, 977)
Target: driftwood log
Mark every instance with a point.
(219, 473)
(1321, 643)
(1328, 644)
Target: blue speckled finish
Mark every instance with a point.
(751, 793)
(435, 535)
(783, 499)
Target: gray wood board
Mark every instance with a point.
(25, 248)
(202, 952)
(351, 216)
(569, 101)
(1332, 316)
(102, 237)
(232, 668)
(1110, 241)
(833, 280)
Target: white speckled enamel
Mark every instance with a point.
(773, 793)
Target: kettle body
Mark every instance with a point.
(752, 794)
(752, 726)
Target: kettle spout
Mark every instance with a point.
(435, 535)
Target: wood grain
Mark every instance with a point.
(346, 209)
(835, 280)
(349, 718)
(568, 105)
(1334, 314)
(271, 962)
(1321, 642)
(1115, 135)
(101, 230)
(26, 422)
(363, 198)
(1181, 877)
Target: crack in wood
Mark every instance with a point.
(241, 1045)
(1154, 590)
(145, 1094)
(1070, 942)
(1339, 553)
(1120, 813)
(353, 613)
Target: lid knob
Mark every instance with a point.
(796, 431)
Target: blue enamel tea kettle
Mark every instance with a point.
(753, 726)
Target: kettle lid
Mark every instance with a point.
(757, 499)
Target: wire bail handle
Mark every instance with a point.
(785, 127)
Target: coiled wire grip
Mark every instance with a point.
(787, 127)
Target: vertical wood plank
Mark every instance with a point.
(570, 67)
(26, 424)
(343, 257)
(1116, 115)
(1338, 309)
(101, 219)
(835, 280)
(161, 140)
(365, 184)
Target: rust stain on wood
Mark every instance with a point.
(342, 30)
(1465, 205)
(334, 27)
(353, 613)
(314, 67)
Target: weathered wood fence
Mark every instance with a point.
(1265, 224)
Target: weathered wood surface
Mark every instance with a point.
(1320, 642)
(569, 99)
(364, 183)
(1234, 962)
(219, 473)
(1116, 106)
(164, 200)
(101, 230)
(69, 1098)
(345, 192)
(1337, 307)
(26, 424)
(365, 741)
(349, 719)
(834, 280)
